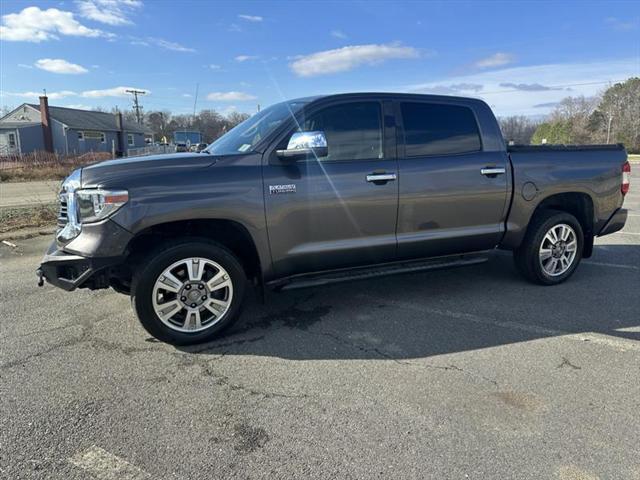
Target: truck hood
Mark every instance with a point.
(110, 172)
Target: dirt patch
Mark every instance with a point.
(520, 400)
(249, 438)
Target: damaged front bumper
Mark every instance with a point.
(68, 271)
(88, 260)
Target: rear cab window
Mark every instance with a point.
(439, 129)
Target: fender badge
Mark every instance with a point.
(288, 188)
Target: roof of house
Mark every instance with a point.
(89, 119)
(6, 125)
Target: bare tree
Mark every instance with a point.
(576, 113)
(518, 129)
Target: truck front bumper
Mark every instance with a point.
(68, 271)
(615, 223)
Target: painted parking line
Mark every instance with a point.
(620, 344)
(586, 262)
(612, 265)
(106, 466)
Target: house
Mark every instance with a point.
(67, 131)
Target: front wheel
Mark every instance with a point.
(188, 292)
(551, 249)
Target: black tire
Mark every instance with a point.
(526, 257)
(155, 264)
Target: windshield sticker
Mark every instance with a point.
(244, 147)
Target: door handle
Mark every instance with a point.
(492, 171)
(381, 177)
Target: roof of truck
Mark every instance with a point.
(416, 96)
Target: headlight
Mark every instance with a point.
(94, 205)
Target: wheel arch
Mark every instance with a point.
(578, 204)
(231, 234)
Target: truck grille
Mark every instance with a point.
(62, 214)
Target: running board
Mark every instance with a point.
(364, 273)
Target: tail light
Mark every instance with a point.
(626, 178)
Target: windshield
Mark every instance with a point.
(244, 137)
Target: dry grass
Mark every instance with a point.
(44, 166)
(16, 218)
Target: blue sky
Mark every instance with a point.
(521, 57)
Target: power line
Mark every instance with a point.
(136, 105)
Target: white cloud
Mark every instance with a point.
(348, 58)
(111, 12)
(251, 18)
(78, 106)
(245, 58)
(35, 95)
(59, 65)
(622, 25)
(230, 96)
(24, 65)
(35, 25)
(543, 84)
(168, 45)
(111, 92)
(496, 60)
(213, 66)
(160, 42)
(229, 110)
(338, 34)
(453, 89)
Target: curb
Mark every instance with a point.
(26, 233)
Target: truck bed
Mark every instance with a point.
(540, 172)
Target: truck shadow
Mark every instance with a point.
(439, 312)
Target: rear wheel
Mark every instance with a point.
(189, 292)
(551, 249)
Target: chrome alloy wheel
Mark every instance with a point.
(192, 295)
(558, 250)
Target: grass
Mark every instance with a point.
(32, 174)
(44, 166)
(35, 216)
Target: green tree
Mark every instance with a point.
(617, 117)
(552, 132)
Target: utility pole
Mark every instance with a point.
(136, 105)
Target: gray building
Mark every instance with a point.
(67, 131)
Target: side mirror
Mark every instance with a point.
(305, 145)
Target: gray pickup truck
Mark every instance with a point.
(326, 189)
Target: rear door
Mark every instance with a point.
(331, 212)
(453, 194)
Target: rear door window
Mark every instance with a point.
(438, 129)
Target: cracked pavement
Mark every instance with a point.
(467, 373)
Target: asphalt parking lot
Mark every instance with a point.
(468, 373)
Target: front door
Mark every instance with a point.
(340, 210)
(453, 194)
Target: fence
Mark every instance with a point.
(150, 150)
